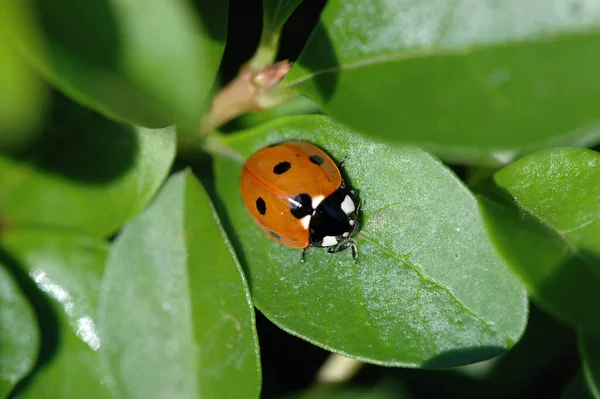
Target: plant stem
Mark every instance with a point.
(251, 90)
(266, 52)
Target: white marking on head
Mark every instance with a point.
(305, 221)
(329, 241)
(317, 200)
(346, 234)
(351, 222)
(348, 205)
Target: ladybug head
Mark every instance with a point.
(335, 220)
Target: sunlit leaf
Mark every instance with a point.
(150, 63)
(429, 289)
(543, 213)
(67, 269)
(19, 334)
(22, 95)
(477, 81)
(175, 313)
(93, 177)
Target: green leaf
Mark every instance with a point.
(172, 278)
(473, 80)
(296, 106)
(589, 348)
(577, 388)
(67, 268)
(429, 289)
(543, 215)
(22, 98)
(149, 63)
(276, 12)
(93, 178)
(19, 334)
(215, 17)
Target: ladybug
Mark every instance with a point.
(295, 192)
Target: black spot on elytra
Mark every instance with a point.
(301, 206)
(274, 235)
(261, 207)
(317, 160)
(281, 167)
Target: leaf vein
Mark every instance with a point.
(429, 279)
(427, 52)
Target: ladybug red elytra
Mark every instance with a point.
(295, 192)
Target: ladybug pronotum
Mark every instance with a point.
(296, 194)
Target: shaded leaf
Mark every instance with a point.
(475, 81)
(93, 177)
(67, 268)
(144, 62)
(589, 347)
(19, 334)
(429, 289)
(176, 316)
(577, 388)
(543, 215)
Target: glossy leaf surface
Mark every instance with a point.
(19, 333)
(543, 213)
(67, 269)
(429, 289)
(93, 176)
(150, 63)
(176, 315)
(474, 80)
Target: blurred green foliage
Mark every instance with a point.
(129, 266)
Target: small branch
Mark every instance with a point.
(267, 50)
(251, 90)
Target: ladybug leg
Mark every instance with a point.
(343, 161)
(303, 257)
(358, 206)
(354, 251)
(344, 246)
